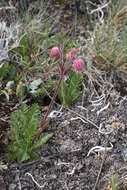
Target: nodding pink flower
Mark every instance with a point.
(68, 57)
(78, 65)
(71, 54)
(55, 52)
(74, 52)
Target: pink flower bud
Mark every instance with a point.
(74, 52)
(55, 52)
(78, 65)
(71, 54)
(68, 57)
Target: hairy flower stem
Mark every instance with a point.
(43, 122)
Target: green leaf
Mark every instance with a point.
(114, 182)
(70, 89)
(24, 157)
(21, 90)
(4, 70)
(24, 126)
(22, 50)
(43, 140)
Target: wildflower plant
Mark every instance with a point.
(24, 124)
(71, 61)
(26, 135)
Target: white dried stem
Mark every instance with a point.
(96, 105)
(76, 118)
(104, 108)
(38, 185)
(55, 114)
(83, 108)
(101, 98)
(73, 171)
(63, 163)
(105, 132)
(100, 149)
(7, 8)
(99, 10)
(81, 116)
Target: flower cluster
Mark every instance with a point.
(55, 52)
(71, 56)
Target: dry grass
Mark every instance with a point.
(106, 48)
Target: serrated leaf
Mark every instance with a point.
(24, 126)
(70, 89)
(43, 140)
(25, 156)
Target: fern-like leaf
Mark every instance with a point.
(24, 125)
